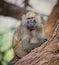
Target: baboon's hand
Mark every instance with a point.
(38, 43)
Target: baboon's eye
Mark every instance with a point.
(27, 21)
(34, 21)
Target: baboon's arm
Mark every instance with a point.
(30, 46)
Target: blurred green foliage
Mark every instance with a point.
(6, 51)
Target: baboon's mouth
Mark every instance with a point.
(31, 28)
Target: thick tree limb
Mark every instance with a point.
(52, 21)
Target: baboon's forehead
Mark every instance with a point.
(30, 15)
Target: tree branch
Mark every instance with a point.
(52, 21)
(11, 10)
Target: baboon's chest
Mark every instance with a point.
(29, 35)
(34, 36)
(34, 33)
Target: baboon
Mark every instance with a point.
(29, 35)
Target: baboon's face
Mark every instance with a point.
(31, 20)
(30, 23)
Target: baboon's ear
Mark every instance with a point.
(23, 19)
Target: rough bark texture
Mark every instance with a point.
(47, 53)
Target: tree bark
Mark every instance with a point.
(47, 53)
